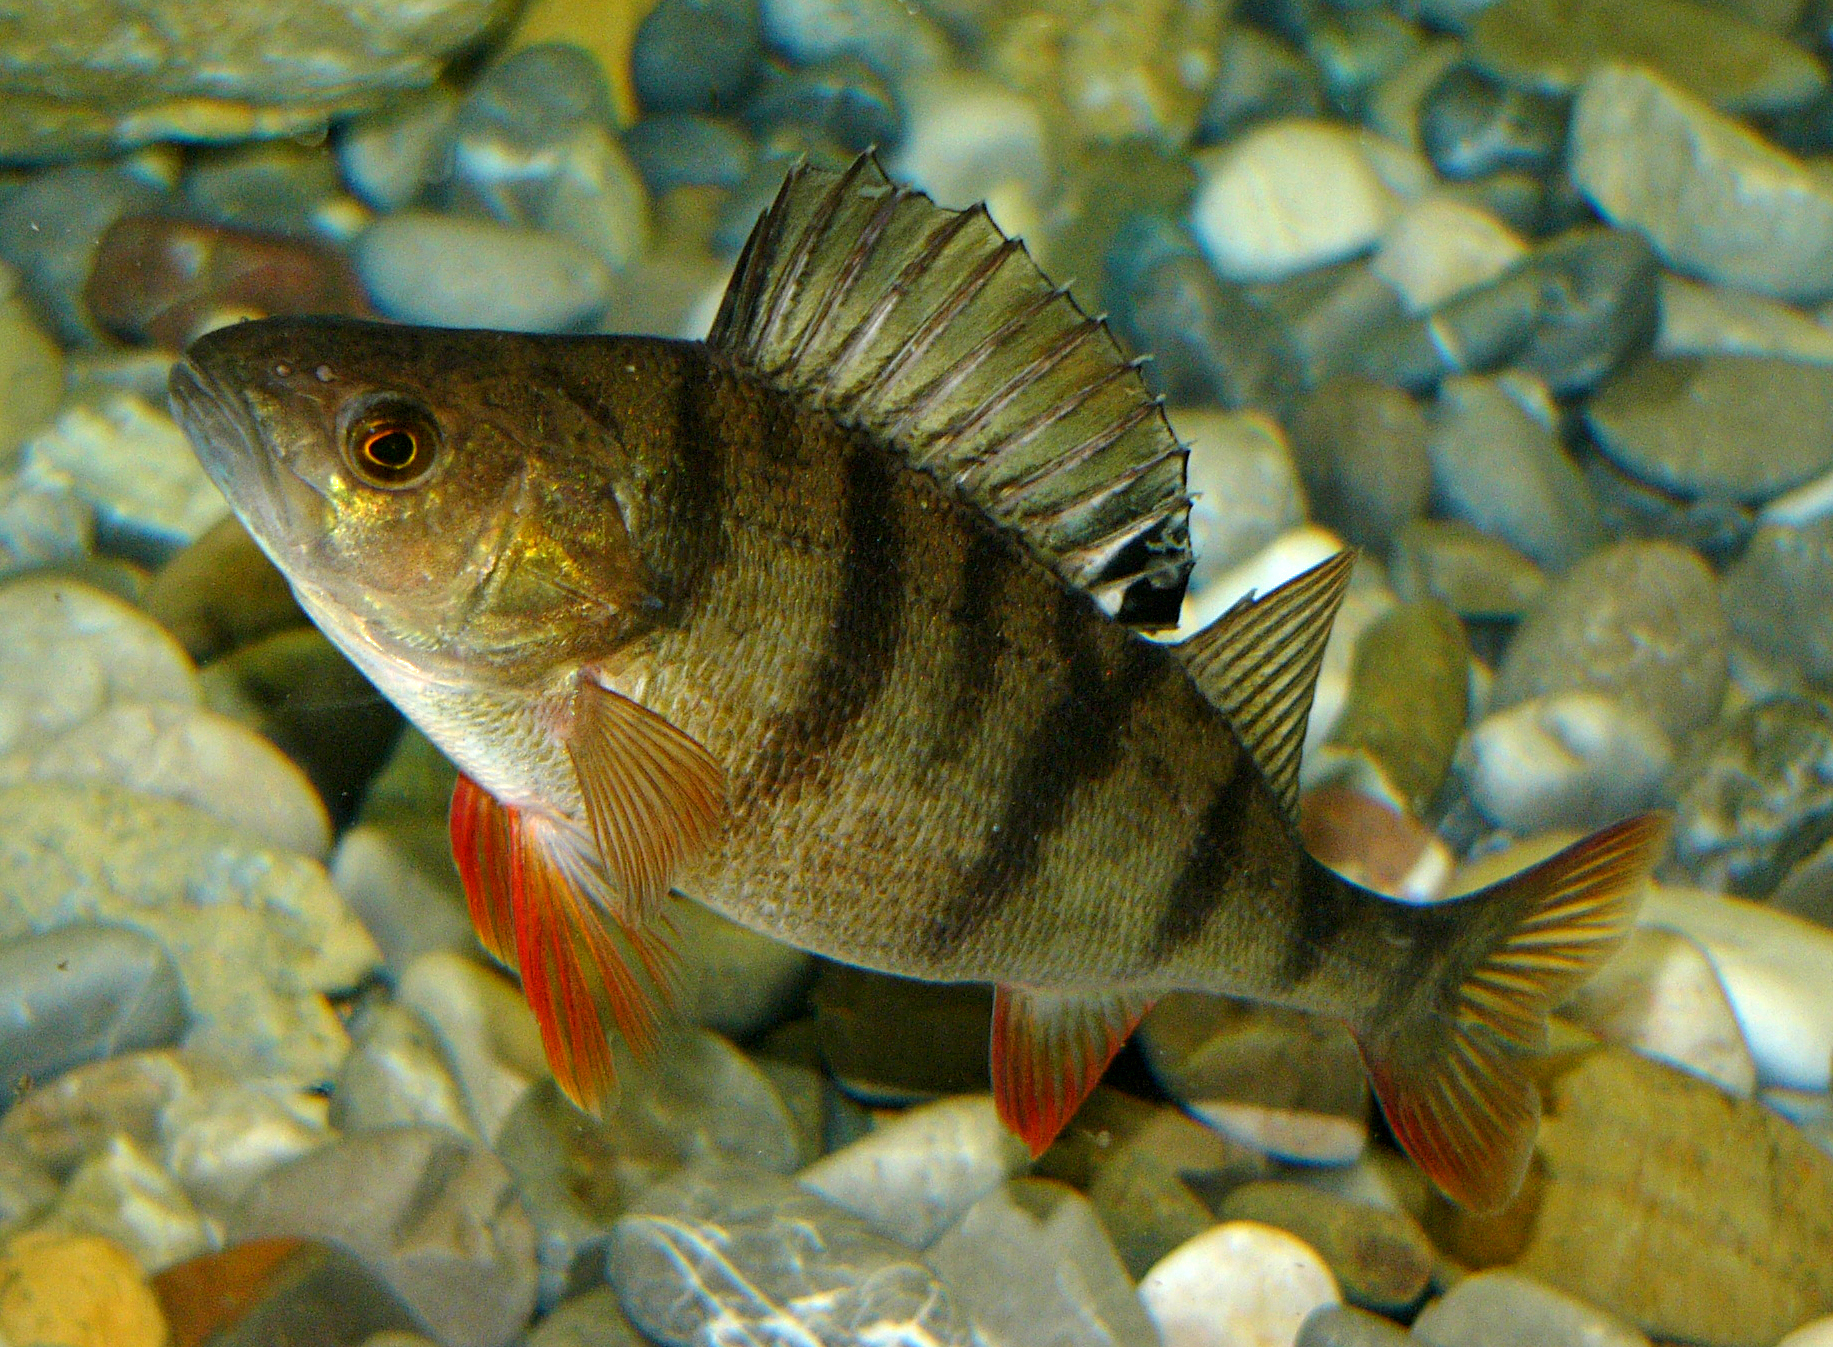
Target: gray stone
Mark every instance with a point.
(486, 1031)
(676, 150)
(280, 187)
(43, 522)
(81, 993)
(258, 936)
(215, 72)
(391, 156)
(1443, 246)
(1808, 889)
(57, 1126)
(1361, 449)
(898, 41)
(442, 270)
(1776, 596)
(221, 1138)
(1632, 508)
(1641, 621)
(50, 226)
(722, 1254)
(31, 367)
(437, 1218)
(1753, 798)
(1258, 78)
(696, 55)
(314, 1294)
(1030, 1263)
(1478, 577)
(191, 755)
(1725, 427)
(845, 101)
(1502, 1309)
(1471, 125)
(1716, 199)
(1347, 1326)
(594, 1319)
(396, 1074)
(26, 1188)
(1244, 485)
(1568, 760)
(733, 980)
(1382, 1260)
(968, 139)
(912, 1178)
(122, 1194)
(136, 468)
(1497, 464)
(408, 910)
(1552, 45)
(1711, 320)
(1392, 107)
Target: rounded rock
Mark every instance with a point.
(1470, 126)
(1506, 1309)
(696, 55)
(451, 272)
(31, 368)
(1776, 594)
(1361, 448)
(1442, 247)
(76, 1291)
(1577, 760)
(681, 150)
(968, 139)
(1241, 1284)
(1245, 487)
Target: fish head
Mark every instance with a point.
(422, 490)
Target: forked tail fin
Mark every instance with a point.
(1451, 1076)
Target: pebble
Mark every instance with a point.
(485, 1030)
(1709, 320)
(75, 1291)
(1503, 1309)
(900, 42)
(1355, 50)
(697, 55)
(130, 462)
(193, 756)
(1497, 464)
(451, 272)
(680, 150)
(123, 1195)
(1479, 577)
(1382, 1260)
(1392, 108)
(222, 1138)
(1808, 889)
(437, 1218)
(1715, 199)
(392, 156)
(1753, 797)
(258, 936)
(1717, 529)
(1280, 1081)
(1774, 595)
(58, 1125)
(1361, 450)
(1470, 126)
(863, 1024)
(43, 522)
(1241, 1284)
(211, 72)
(1553, 45)
(723, 1253)
(913, 1177)
(221, 592)
(1638, 620)
(731, 979)
(1817, 1334)
(845, 101)
(1029, 1262)
(27, 1188)
(166, 281)
(396, 1074)
(1660, 995)
(1289, 196)
(275, 187)
(407, 908)
(1441, 247)
(594, 1319)
(1244, 484)
(80, 993)
(51, 265)
(1347, 1326)
(68, 650)
(1566, 760)
(968, 139)
(1259, 78)
(1623, 1212)
(31, 367)
(1353, 825)
(269, 1291)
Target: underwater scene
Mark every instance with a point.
(916, 673)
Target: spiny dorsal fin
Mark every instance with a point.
(937, 333)
(1258, 664)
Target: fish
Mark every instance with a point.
(850, 623)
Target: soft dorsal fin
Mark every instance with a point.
(932, 330)
(1258, 664)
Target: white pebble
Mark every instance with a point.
(1442, 247)
(1244, 487)
(1567, 761)
(1239, 1284)
(969, 139)
(452, 272)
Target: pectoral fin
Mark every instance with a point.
(652, 795)
(1049, 1050)
(537, 896)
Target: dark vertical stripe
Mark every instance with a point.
(863, 631)
(1324, 908)
(987, 565)
(691, 496)
(1077, 741)
(1212, 867)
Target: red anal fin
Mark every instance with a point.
(1049, 1050)
(539, 902)
(652, 794)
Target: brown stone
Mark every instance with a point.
(271, 1291)
(222, 592)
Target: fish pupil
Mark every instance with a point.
(391, 450)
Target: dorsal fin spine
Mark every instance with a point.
(942, 318)
(1082, 453)
(849, 273)
(797, 262)
(998, 400)
(1065, 409)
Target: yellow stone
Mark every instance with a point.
(76, 1291)
(606, 28)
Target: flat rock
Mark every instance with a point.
(1501, 1309)
(1701, 319)
(1241, 1284)
(912, 1178)
(1660, 995)
(1289, 196)
(1244, 483)
(129, 460)
(722, 1252)
(191, 755)
(455, 272)
(1381, 1259)
(1567, 760)
(1443, 246)
(214, 72)
(122, 1194)
(31, 367)
(396, 1073)
(258, 936)
(1476, 576)
(1773, 595)
(80, 993)
(75, 1291)
(1639, 620)
(437, 1218)
(1361, 449)
(266, 1291)
(1030, 1263)
(1715, 198)
(1551, 45)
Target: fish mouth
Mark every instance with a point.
(229, 443)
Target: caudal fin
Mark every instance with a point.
(1451, 1077)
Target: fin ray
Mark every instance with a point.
(1049, 1050)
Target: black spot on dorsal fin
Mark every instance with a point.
(935, 332)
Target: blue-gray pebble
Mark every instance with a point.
(843, 99)
(50, 224)
(450, 272)
(1347, 1326)
(696, 55)
(680, 149)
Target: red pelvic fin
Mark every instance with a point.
(539, 901)
(1049, 1050)
(1452, 1078)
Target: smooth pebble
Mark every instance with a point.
(1241, 1284)
(452, 272)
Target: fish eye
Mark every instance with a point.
(393, 444)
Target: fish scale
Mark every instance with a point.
(833, 621)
